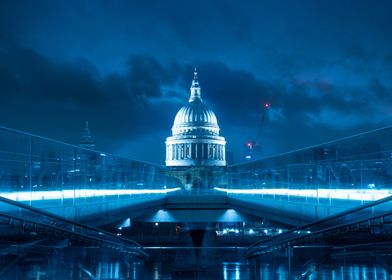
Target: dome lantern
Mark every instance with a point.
(195, 88)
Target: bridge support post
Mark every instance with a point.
(289, 260)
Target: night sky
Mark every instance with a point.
(126, 67)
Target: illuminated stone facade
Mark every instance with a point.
(195, 139)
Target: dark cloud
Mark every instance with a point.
(53, 99)
(146, 75)
(305, 112)
(126, 66)
(380, 91)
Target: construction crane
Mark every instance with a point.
(253, 147)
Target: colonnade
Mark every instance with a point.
(200, 151)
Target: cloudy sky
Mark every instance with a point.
(126, 67)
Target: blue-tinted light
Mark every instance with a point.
(66, 194)
(349, 194)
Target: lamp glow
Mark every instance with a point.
(67, 194)
(349, 194)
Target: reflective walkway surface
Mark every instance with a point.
(90, 263)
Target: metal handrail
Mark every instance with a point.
(67, 221)
(327, 219)
(333, 228)
(138, 250)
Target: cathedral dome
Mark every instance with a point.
(195, 139)
(195, 117)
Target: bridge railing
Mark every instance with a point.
(361, 165)
(24, 219)
(372, 214)
(35, 168)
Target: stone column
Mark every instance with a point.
(196, 151)
(221, 148)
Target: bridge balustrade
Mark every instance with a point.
(34, 168)
(354, 168)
